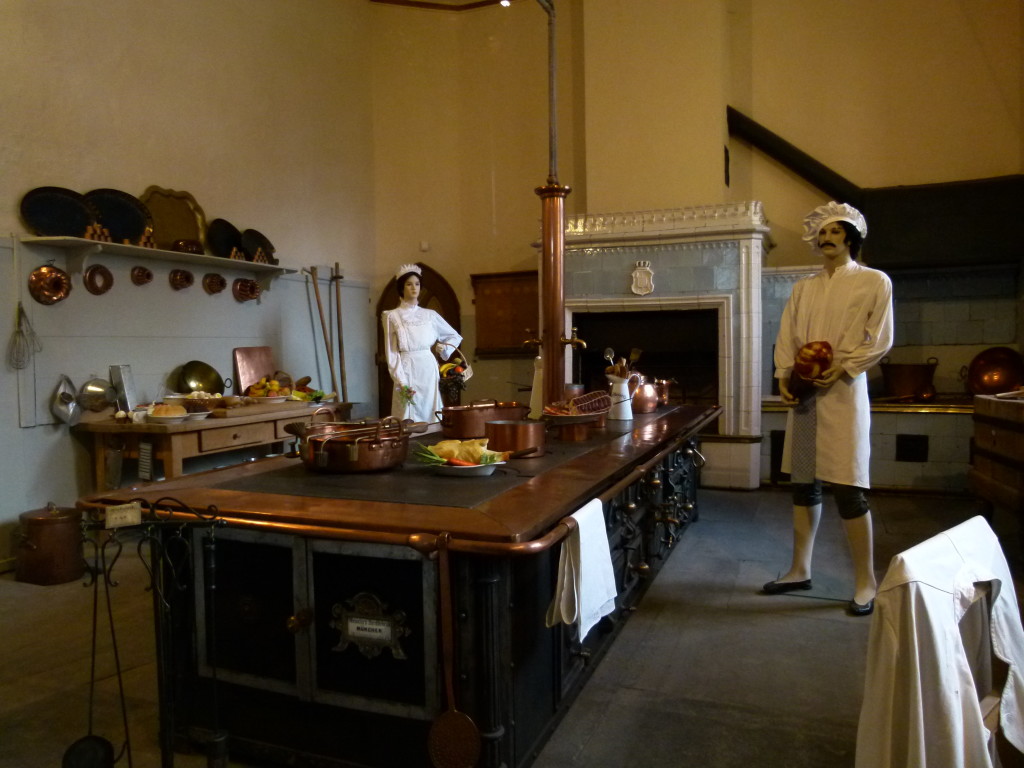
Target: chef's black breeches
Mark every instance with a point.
(851, 500)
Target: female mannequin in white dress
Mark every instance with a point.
(410, 333)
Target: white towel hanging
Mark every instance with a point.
(585, 589)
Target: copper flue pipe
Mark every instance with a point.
(552, 288)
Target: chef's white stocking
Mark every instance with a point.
(805, 528)
(859, 535)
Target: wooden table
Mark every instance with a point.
(173, 443)
(319, 642)
(997, 461)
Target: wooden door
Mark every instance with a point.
(435, 294)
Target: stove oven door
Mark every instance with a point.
(342, 624)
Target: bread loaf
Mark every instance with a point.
(165, 410)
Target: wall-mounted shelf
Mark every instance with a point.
(79, 250)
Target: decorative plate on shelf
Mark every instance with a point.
(223, 238)
(254, 244)
(57, 212)
(124, 216)
(176, 216)
(276, 399)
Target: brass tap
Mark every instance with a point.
(574, 341)
(532, 342)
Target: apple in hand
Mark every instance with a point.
(813, 359)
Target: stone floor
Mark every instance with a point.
(707, 673)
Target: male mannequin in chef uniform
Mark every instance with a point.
(828, 433)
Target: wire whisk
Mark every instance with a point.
(24, 343)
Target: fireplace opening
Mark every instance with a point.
(678, 345)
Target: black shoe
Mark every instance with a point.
(860, 609)
(778, 587)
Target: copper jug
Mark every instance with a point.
(646, 397)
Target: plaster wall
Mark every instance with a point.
(885, 94)
(260, 109)
(655, 84)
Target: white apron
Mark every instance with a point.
(410, 332)
(852, 311)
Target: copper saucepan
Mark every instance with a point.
(516, 435)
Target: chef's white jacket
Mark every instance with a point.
(851, 310)
(920, 703)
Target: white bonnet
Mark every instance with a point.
(826, 214)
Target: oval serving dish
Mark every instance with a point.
(477, 470)
(165, 419)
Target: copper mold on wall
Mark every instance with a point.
(141, 275)
(180, 278)
(49, 284)
(98, 279)
(214, 283)
(244, 289)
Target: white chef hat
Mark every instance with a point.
(405, 269)
(826, 214)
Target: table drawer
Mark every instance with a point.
(223, 438)
(280, 424)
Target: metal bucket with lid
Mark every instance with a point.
(50, 546)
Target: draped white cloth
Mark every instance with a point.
(851, 310)
(585, 589)
(921, 703)
(410, 333)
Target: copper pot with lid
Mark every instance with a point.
(462, 422)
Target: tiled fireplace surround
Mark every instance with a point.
(700, 258)
(711, 257)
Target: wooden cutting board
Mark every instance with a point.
(293, 406)
(251, 365)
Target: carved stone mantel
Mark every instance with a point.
(703, 257)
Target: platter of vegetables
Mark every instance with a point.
(460, 458)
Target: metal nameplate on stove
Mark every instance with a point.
(365, 622)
